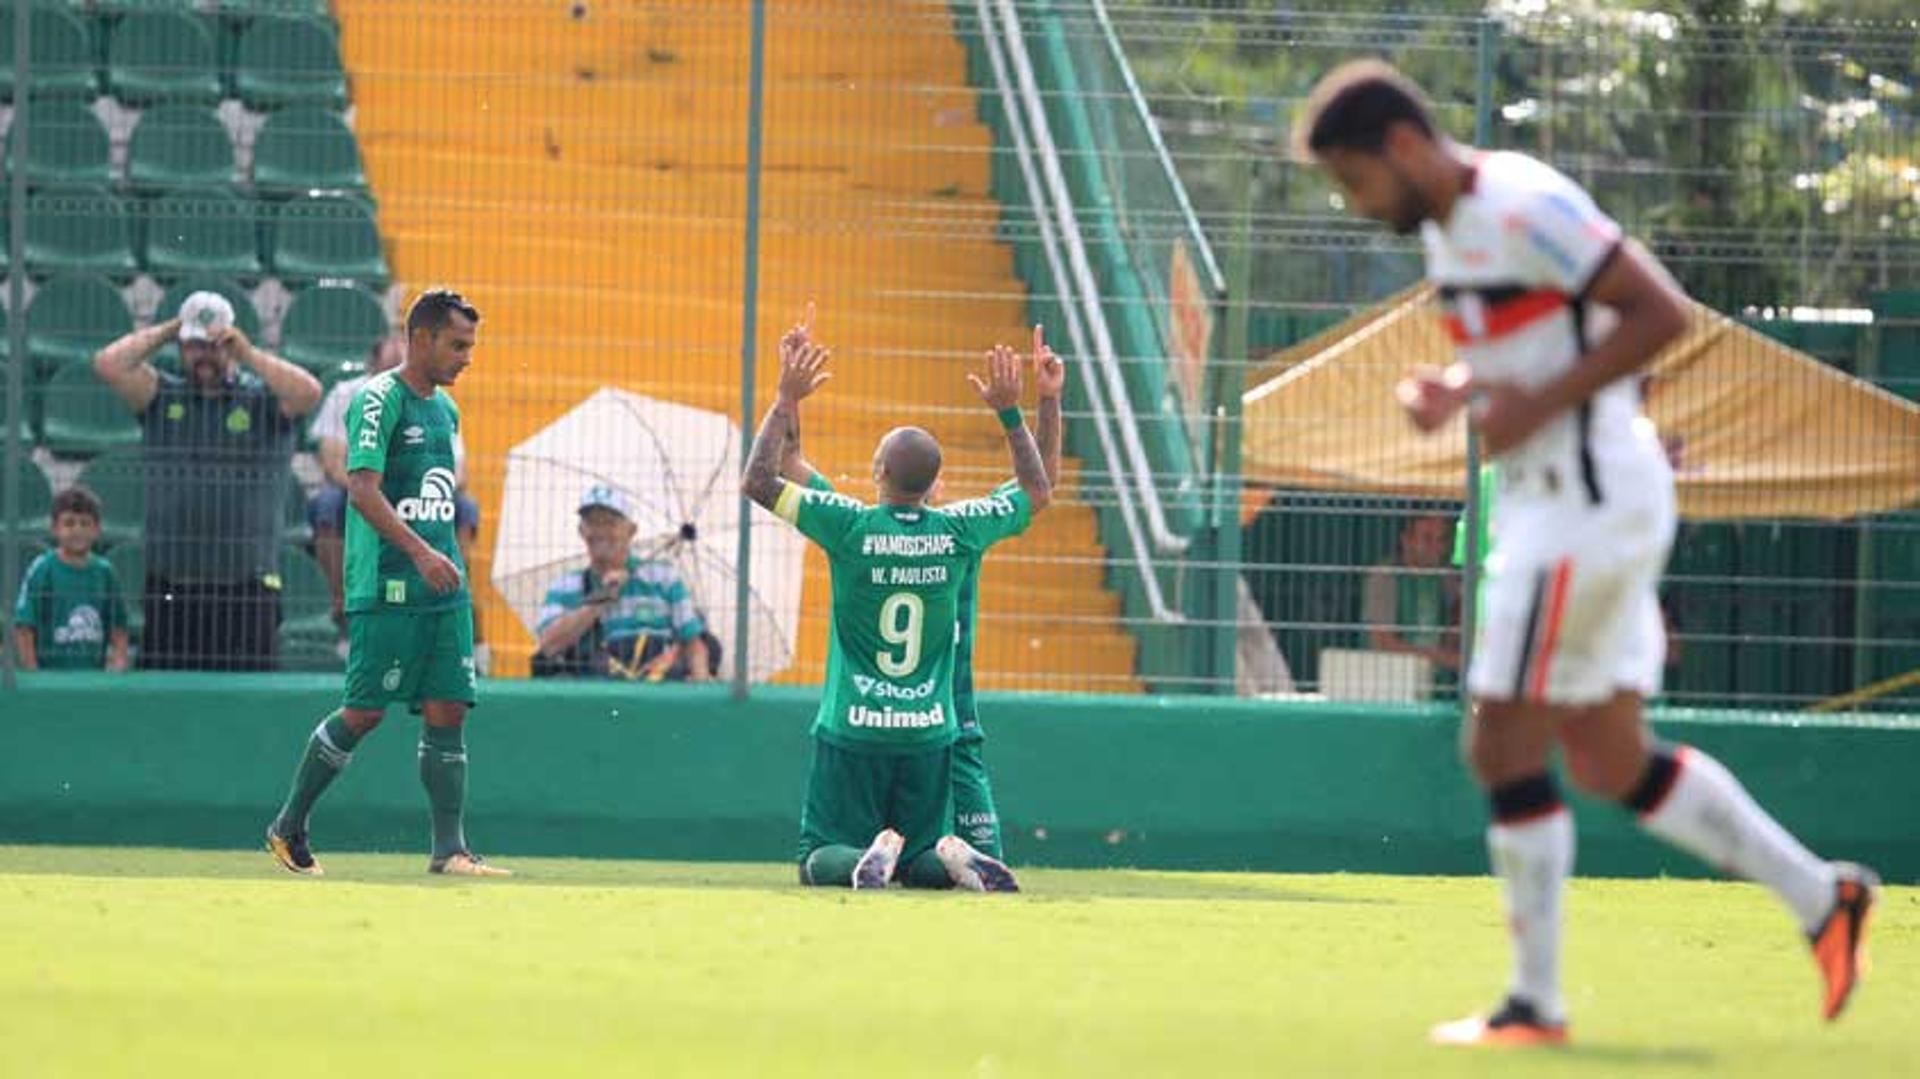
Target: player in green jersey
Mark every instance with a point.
(975, 816)
(880, 788)
(409, 612)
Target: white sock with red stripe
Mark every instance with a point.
(1531, 842)
(1692, 801)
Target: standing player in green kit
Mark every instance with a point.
(409, 611)
(880, 788)
(976, 817)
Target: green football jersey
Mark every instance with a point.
(965, 711)
(897, 578)
(73, 611)
(408, 439)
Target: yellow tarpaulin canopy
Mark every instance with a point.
(1769, 431)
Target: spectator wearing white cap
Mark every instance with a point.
(622, 616)
(218, 444)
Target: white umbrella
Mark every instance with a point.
(680, 466)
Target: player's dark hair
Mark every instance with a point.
(436, 307)
(1354, 107)
(76, 499)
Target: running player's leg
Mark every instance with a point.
(446, 691)
(844, 811)
(1530, 841)
(1690, 800)
(376, 646)
(1508, 740)
(975, 818)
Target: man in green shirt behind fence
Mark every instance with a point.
(880, 789)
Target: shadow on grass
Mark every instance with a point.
(1684, 1056)
(409, 870)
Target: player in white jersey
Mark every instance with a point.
(1553, 313)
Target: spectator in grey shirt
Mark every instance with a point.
(217, 451)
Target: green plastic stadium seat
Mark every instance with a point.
(162, 56)
(120, 480)
(330, 327)
(70, 318)
(36, 498)
(244, 314)
(62, 53)
(288, 61)
(254, 9)
(179, 146)
(307, 150)
(79, 230)
(130, 565)
(306, 600)
(66, 144)
(328, 237)
(82, 417)
(203, 232)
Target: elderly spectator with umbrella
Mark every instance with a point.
(622, 616)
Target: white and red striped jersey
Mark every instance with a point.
(1512, 264)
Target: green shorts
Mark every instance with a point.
(409, 657)
(852, 796)
(974, 817)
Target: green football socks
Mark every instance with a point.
(443, 771)
(830, 867)
(329, 750)
(926, 871)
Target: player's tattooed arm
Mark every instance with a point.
(1001, 392)
(793, 464)
(802, 373)
(761, 481)
(1050, 379)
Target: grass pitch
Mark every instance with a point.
(156, 962)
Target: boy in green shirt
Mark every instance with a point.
(70, 613)
(880, 790)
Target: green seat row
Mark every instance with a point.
(186, 146)
(91, 230)
(156, 52)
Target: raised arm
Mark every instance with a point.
(297, 391)
(1000, 390)
(794, 467)
(123, 364)
(1050, 379)
(801, 374)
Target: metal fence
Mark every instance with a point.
(641, 196)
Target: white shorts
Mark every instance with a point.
(1572, 611)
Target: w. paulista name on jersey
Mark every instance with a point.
(409, 440)
(898, 573)
(1513, 263)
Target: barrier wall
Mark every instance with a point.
(682, 772)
